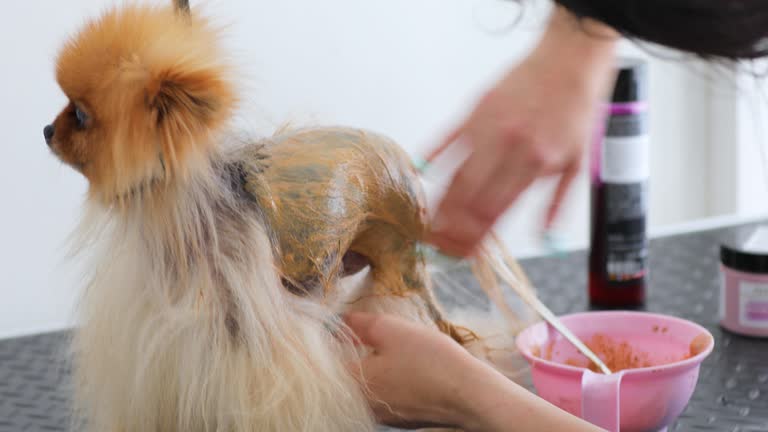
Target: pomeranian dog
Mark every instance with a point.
(214, 297)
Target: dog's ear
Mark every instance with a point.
(189, 100)
(187, 104)
(189, 87)
(182, 6)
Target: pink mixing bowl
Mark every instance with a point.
(644, 399)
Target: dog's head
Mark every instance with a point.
(146, 88)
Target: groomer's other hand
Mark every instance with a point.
(535, 122)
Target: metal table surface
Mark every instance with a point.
(731, 395)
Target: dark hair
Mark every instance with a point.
(711, 29)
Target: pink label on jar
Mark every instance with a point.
(753, 305)
(757, 311)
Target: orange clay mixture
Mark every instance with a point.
(616, 355)
(620, 355)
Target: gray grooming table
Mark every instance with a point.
(731, 396)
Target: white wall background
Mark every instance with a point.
(406, 68)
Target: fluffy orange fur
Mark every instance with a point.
(154, 86)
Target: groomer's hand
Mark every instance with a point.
(413, 374)
(418, 377)
(535, 122)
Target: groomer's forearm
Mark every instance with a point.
(493, 403)
(580, 50)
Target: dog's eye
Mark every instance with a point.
(81, 117)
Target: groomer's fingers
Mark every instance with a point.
(515, 171)
(562, 188)
(367, 327)
(447, 141)
(477, 221)
(475, 201)
(475, 174)
(454, 218)
(473, 222)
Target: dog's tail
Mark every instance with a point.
(492, 323)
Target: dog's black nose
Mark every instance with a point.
(48, 132)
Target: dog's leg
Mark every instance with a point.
(398, 281)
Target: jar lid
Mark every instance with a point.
(746, 250)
